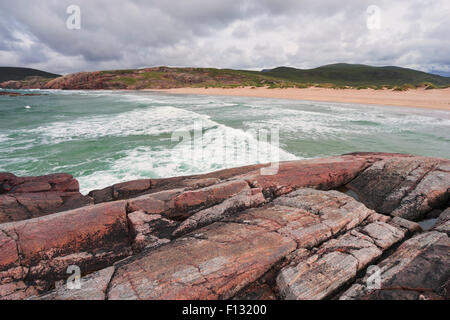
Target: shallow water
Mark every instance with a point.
(428, 224)
(103, 137)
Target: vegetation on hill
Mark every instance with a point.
(13, 73)
(358, 75)
(338, 76)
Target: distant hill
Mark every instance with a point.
(333, 76)
(13, 73)
(356, 74)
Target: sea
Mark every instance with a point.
(106, 137)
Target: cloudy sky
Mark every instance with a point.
(247, 34)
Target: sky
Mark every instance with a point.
(239, 34)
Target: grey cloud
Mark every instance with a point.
(249, 34)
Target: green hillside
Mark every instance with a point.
(13, 73)
(357, 74)
(332, 76)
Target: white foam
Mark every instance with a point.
(4, 137)
(150, 121)
(220, 147)
(338, 121)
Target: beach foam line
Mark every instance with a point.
(151, 121)
(219, 147)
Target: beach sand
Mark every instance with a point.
(418, 98)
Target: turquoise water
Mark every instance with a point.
(104, 137)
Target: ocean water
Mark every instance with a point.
(105, 137)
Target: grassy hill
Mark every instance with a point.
(333, 76)
(13, 73)
(357, 75)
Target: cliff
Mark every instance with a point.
(310, 231)
(149, 78)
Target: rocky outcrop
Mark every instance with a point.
(92, 237)
(215, 262)
(29, 197)
(78, 81)
(418, 269)
(406, 187)
(443, 222)
(18, 94)
(92, 287)
(149, 230)
(306, 231)
(32, 82)
(156, 78)
(336, 262)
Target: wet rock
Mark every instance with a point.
(406, 187)
(214, 263)
(149, 230)
(92, 287)
(417, 269)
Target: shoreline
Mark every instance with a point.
(438, 99)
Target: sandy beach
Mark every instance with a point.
(417, 98)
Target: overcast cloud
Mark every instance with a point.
(247, 34)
